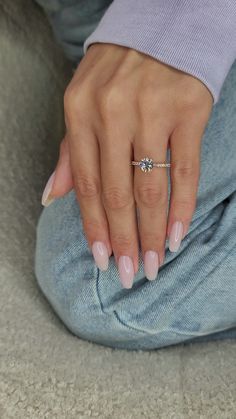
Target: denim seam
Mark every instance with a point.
(127, 325)
(97, 290)
(114, 311)
(177, 332)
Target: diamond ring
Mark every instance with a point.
(146, 164)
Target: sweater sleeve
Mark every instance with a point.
(195, 36)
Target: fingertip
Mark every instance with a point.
(47, 196)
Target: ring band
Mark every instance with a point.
(146, 164)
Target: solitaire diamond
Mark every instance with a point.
(146, 164)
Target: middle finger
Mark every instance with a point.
(118, 200)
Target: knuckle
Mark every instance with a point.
(189, 106)
(93, 227)
(70, 97)
(86, 187)
(184, 171)
(186, 206)
(190, 100)
(122, 241)
(156, 239)
(116, 198)
(110, 99)
(150, 196)
(74, 99)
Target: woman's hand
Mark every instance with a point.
(122, 105)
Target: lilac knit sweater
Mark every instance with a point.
(196, 36)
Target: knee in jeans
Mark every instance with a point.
(67, 276)
(70, 287)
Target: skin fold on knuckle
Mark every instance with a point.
(149, 196)
(184, 171)
(86, 187)
(95, 229)
(185, 206)
(153, 240)
(75, 104)
(70, 98)
(115, 198)
(122, 244)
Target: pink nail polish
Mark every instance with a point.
(176, 235)
(126, 271)
(100, 255)
(151, 264)
(46, 198)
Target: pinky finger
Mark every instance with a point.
(185, 170)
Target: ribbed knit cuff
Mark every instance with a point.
(195, 36)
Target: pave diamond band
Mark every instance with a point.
(146, 164)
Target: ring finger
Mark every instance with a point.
(151, 195)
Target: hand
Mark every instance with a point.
(122, 105)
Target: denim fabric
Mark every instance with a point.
(194, 296)
(73, 21)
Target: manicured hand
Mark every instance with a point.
(122, 105)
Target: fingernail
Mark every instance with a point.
(46, 198)
(126, 271)
(176, 234)
(151, 264)
(100, 255)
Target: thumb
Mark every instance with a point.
(60, 181)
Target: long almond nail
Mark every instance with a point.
(126, 271)
(176, 235)
(151, 264)
(100, 255)
(46, 198)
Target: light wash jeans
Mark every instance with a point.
(194, 296)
